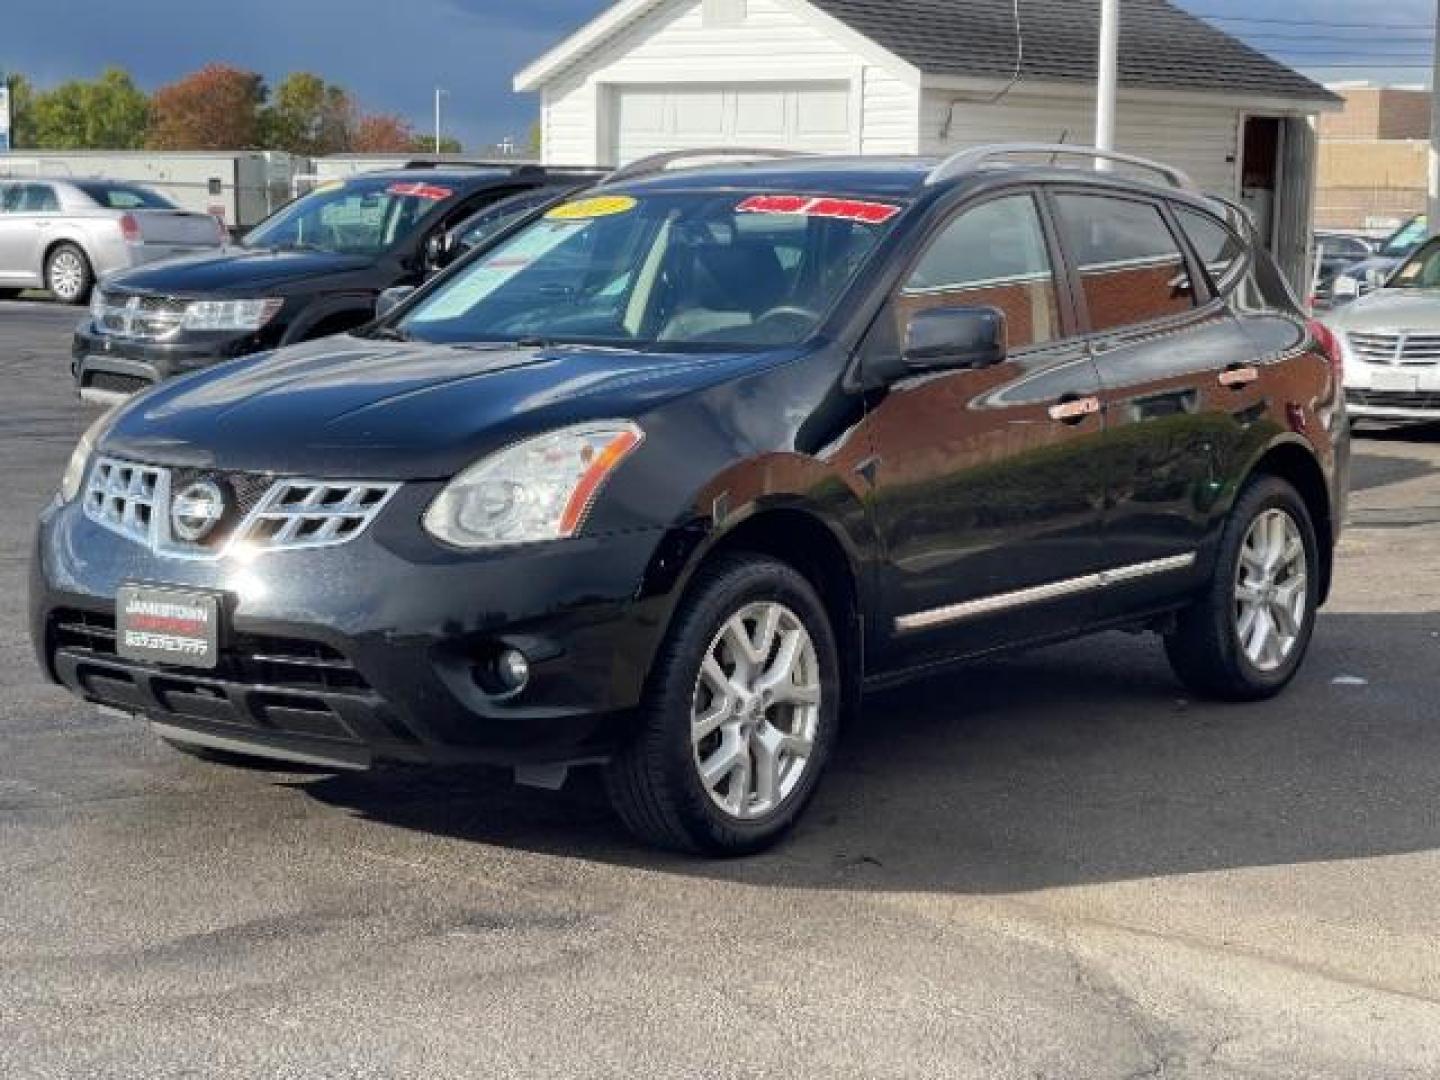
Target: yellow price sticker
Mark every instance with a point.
(598, 207)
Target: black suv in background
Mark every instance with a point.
(666, 479)
(315, 267)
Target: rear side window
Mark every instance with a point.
(123, 196)
(992, 255)
(1131, 267)
(1219, 249)
(11, 197)
(39, 198)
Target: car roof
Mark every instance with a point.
(896, 177)
(471, 179)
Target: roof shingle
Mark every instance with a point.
(1161, 46)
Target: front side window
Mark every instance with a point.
(1407, 238)
(493, 220)
(353, 217)
(40, 199)
(1131, 268)
(123, 196)
(992, 255)
(1218, 248)
(692, 270)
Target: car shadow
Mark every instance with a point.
(1080, 764)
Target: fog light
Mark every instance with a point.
(512, 670)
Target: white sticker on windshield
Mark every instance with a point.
(482, 279)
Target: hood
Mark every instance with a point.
(347, 407)
(1390, 309)
(234, 271)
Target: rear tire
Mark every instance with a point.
(1246, 636)
(68, 275)
(738, 720)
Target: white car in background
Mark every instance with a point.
(64, 235)
(1390, 341)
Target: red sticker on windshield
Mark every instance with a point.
(432, 192)
(869, 213)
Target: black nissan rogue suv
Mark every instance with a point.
(667, 479)
(315, 267)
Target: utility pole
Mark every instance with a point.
(1432, 206)
(1108, 77)
(438, 93)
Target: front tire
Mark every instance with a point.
(68, 274)
(739, 717)
(1246, 636)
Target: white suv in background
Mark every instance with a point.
(63, 235)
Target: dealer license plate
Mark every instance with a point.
(167, 626)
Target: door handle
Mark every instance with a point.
(1236, 377)
(1074, 410)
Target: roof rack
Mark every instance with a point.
(658, 163)
(968, 160)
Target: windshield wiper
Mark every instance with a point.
(388, 333)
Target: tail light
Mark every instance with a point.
(1329, 344)
(130, 228)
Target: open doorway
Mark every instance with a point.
(1260, 171)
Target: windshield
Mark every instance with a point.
(1420, 271)
(351, 217)
(1406, 239)
(123, 196)
(696, 269)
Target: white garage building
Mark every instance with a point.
(929, 76)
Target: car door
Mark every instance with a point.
(17, 267)
(1162, 344)
(986, 493)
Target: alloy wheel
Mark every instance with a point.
(67, 275)
(1271, 591)
(756, 710)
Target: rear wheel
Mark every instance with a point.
(1247, 635)
(740, 715)
(68, 275)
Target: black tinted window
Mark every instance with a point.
(1131, 266)
(40, 198)
(1218, 248)
(992, 255)
(11, 196)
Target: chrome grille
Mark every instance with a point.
(141, 318)
(126, 498)
(262, 514)
(1396, 347)
(313, 513)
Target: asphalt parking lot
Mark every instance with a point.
(1049, 866)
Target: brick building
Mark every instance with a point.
(1373, 157)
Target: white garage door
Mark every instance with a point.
(813, 117)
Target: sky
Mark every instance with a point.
(393, 54)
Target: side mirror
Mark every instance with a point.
(953, 338)
(392, 298)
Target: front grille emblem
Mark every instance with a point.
(196, 510)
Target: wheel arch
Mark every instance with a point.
(64, 240)
(1294, 462)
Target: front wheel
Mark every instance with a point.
(740, 715)
(1246, 636)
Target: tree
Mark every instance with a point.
(310, 116)
(536, 143)
(110, 113)
(382, 133)
(22, 111)
(215, 108)
(425, 144)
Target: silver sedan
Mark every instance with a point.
(64, 235)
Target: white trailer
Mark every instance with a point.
(239, 187)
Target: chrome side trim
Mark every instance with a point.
(1039, 594)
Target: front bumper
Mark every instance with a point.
(108, 368)
(373, 650)
(1392, 405)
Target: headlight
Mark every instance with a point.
(97, 305)
(539, 489)
(230, 314)
(74, 474)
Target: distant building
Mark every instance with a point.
(1373, 154)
